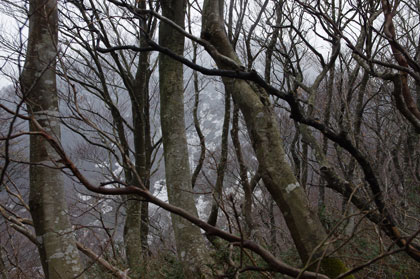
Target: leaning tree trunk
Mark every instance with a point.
(189, 242)
(59, 254)
(263, 128)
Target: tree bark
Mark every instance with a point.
(221, 167)
(3, 272)
(189, 242)
(304, 225)
(59, 254)
(137, 221)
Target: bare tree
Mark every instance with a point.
(331, 125)
(189, 242)
(57, 247)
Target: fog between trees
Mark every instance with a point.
(210, 139)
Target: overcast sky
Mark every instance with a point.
(9, 33)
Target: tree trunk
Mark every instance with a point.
(221, 167)
(137, 222)
(189, 242)
(304, 225)
(59, 254)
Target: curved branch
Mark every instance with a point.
(142, 191)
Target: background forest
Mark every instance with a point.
(209, 139)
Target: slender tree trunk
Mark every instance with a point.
(137, 221)
(196, 120)
(189, 242)
(304, 225)
(221, 167)
(243, 174)
(351, 173)
(327, 114)
(59, 254)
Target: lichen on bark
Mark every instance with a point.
(189, 241)
(57, 247)
(263, 128)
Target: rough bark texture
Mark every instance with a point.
(189, 242)
(304, 225)
(59, 254)
(3, 272)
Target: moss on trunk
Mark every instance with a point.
(306, 229)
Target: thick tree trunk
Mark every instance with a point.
(59, 254)
(304, 225)
(189, 242)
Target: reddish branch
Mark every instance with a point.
(270, 259)
(18, 225)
